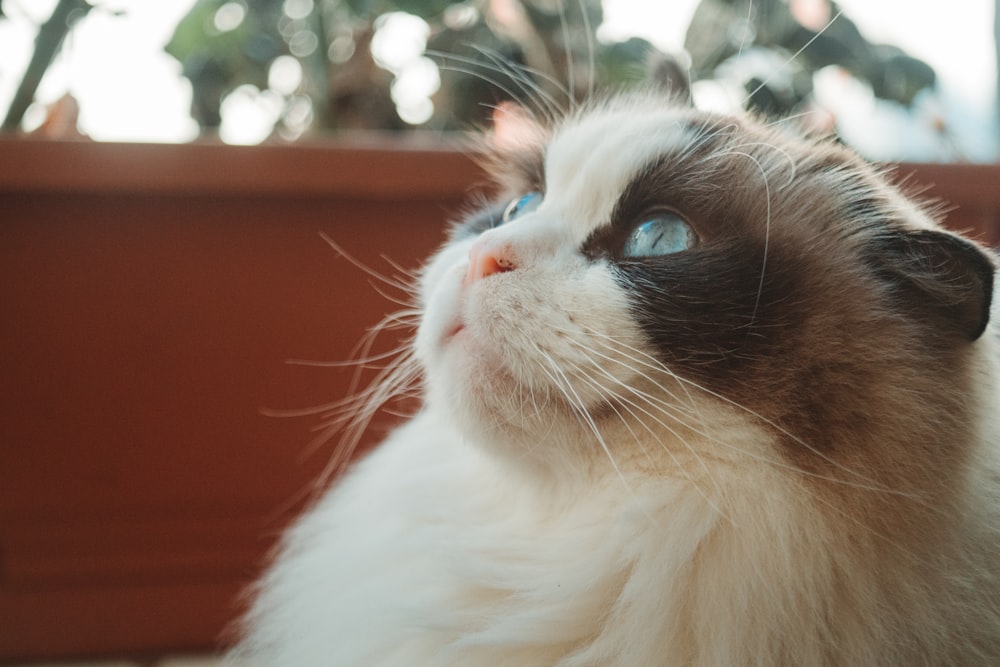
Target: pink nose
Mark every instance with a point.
(487, 257)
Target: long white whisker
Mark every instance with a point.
(795, 55)
(499, 86)
(628, 405)
(392, 282)
(746, 30)
(795, 116)
(781, 151)
(619, 347)
(391, 298)
(767, 231)
(638, 372)
(581, 411)
(523, 75)
(410, 274)
(357, 410)
(591, 57)
(665, 408)
(364, 348)
(868, 484)
(361, 358)
(547, 108)
(567, 50)
(365, 362)
(388, 384)
(388, 378)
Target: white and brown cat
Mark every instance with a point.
(705, 393)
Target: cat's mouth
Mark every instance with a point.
(452, 330)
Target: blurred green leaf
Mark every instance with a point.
(541, 53)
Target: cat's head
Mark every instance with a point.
(651, 272)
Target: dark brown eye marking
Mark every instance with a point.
(700, 308)
(688, 182)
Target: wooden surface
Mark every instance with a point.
(151, 298)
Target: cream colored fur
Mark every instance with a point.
(503, 527)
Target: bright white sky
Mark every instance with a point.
(129, 90)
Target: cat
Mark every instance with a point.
(697, 391)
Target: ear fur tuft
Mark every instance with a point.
(671, 75)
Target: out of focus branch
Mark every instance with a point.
(50, 37)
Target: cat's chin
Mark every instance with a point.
(473, 388)
(543, 442)
(466, 356)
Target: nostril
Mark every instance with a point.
(486, 259)
(486, 265)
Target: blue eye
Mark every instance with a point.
(661, 234)
(522, 205)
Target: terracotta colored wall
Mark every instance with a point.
(969, 193)
(150, 298)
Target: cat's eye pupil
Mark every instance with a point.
(521, 205)
(660, 234)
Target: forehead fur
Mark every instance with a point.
(593, 157)
(586, 163)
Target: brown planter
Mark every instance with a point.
(151, 297)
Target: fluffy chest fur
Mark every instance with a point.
(451, 561)
(703, 394)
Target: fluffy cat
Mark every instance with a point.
(704, 393)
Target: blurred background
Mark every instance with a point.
(897, 79)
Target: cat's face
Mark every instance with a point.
(659, 268)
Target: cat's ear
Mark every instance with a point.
(514, 128)
(513, 151)
(943, 275)
(671, 75)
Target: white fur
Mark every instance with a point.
(501, 527)
(433, 553)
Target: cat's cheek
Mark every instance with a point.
(439, 290)
(440, 272)
(441, 318)
(463, 356)
(462, 351)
